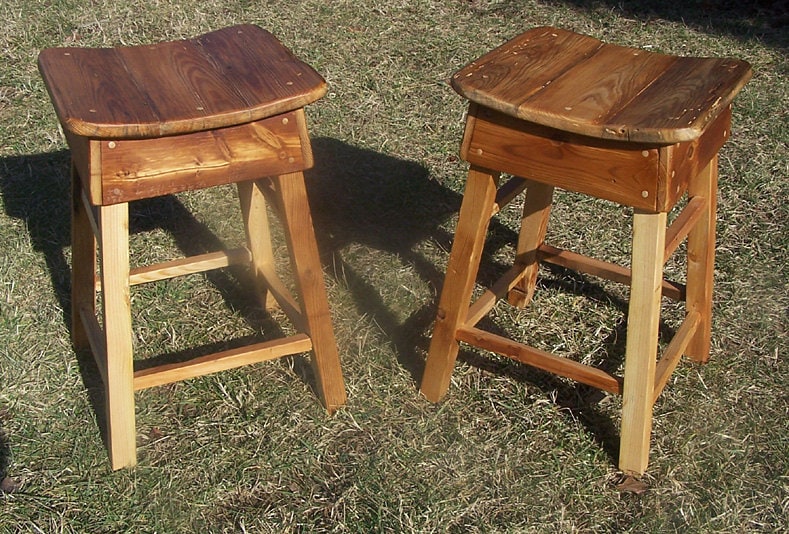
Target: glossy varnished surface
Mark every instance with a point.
(224, 78)
(578, 84)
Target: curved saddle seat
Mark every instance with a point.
(556, 109)
(578, 84)
(147, 121)
(223, 78)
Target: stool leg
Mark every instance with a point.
(83, 264)
(536, 212)
(297, 223)
(701, 261)
(649, 233)
(256, 225)
(119, 386)
(475, 213)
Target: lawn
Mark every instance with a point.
(511, 449)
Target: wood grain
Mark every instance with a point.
(563, 110)
(643, 317)
(542, 360)
(306, 266)
(603, 269)
(133, 169)
(673, 353)
(221, 361)
(475, 213)
(616, 171)
(578, 84)
(541, 55)
(119, 384)
(682, 162)
(534, 224)
(701, 261)
(149, 121)
(83, 262)
(224, 78)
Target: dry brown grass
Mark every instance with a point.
(511, 449)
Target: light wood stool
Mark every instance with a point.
(147, 121)
(558, 109)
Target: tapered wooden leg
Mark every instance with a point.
(297, 223)
(83, 264)
(536, 212)
(256, 225)
(649, 232)
(701, 261)
(475, 213)
(119, 387)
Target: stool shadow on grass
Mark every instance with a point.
(36, 190)
(387, 204)
(357, 196)
(5, 452)
(763, 19)
(362, 197)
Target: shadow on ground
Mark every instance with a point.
(5, 452)
(362, 197)
(357, 196)
(762, 20)
(35, 189)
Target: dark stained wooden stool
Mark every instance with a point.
(146, 121)
(558, 109)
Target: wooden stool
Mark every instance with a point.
(634, 127)
(146, 121)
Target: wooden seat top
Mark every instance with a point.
(223, 78)
(578, 84)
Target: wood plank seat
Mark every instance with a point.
(146, 121)
(554, 109)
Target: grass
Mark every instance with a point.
(511, 449)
